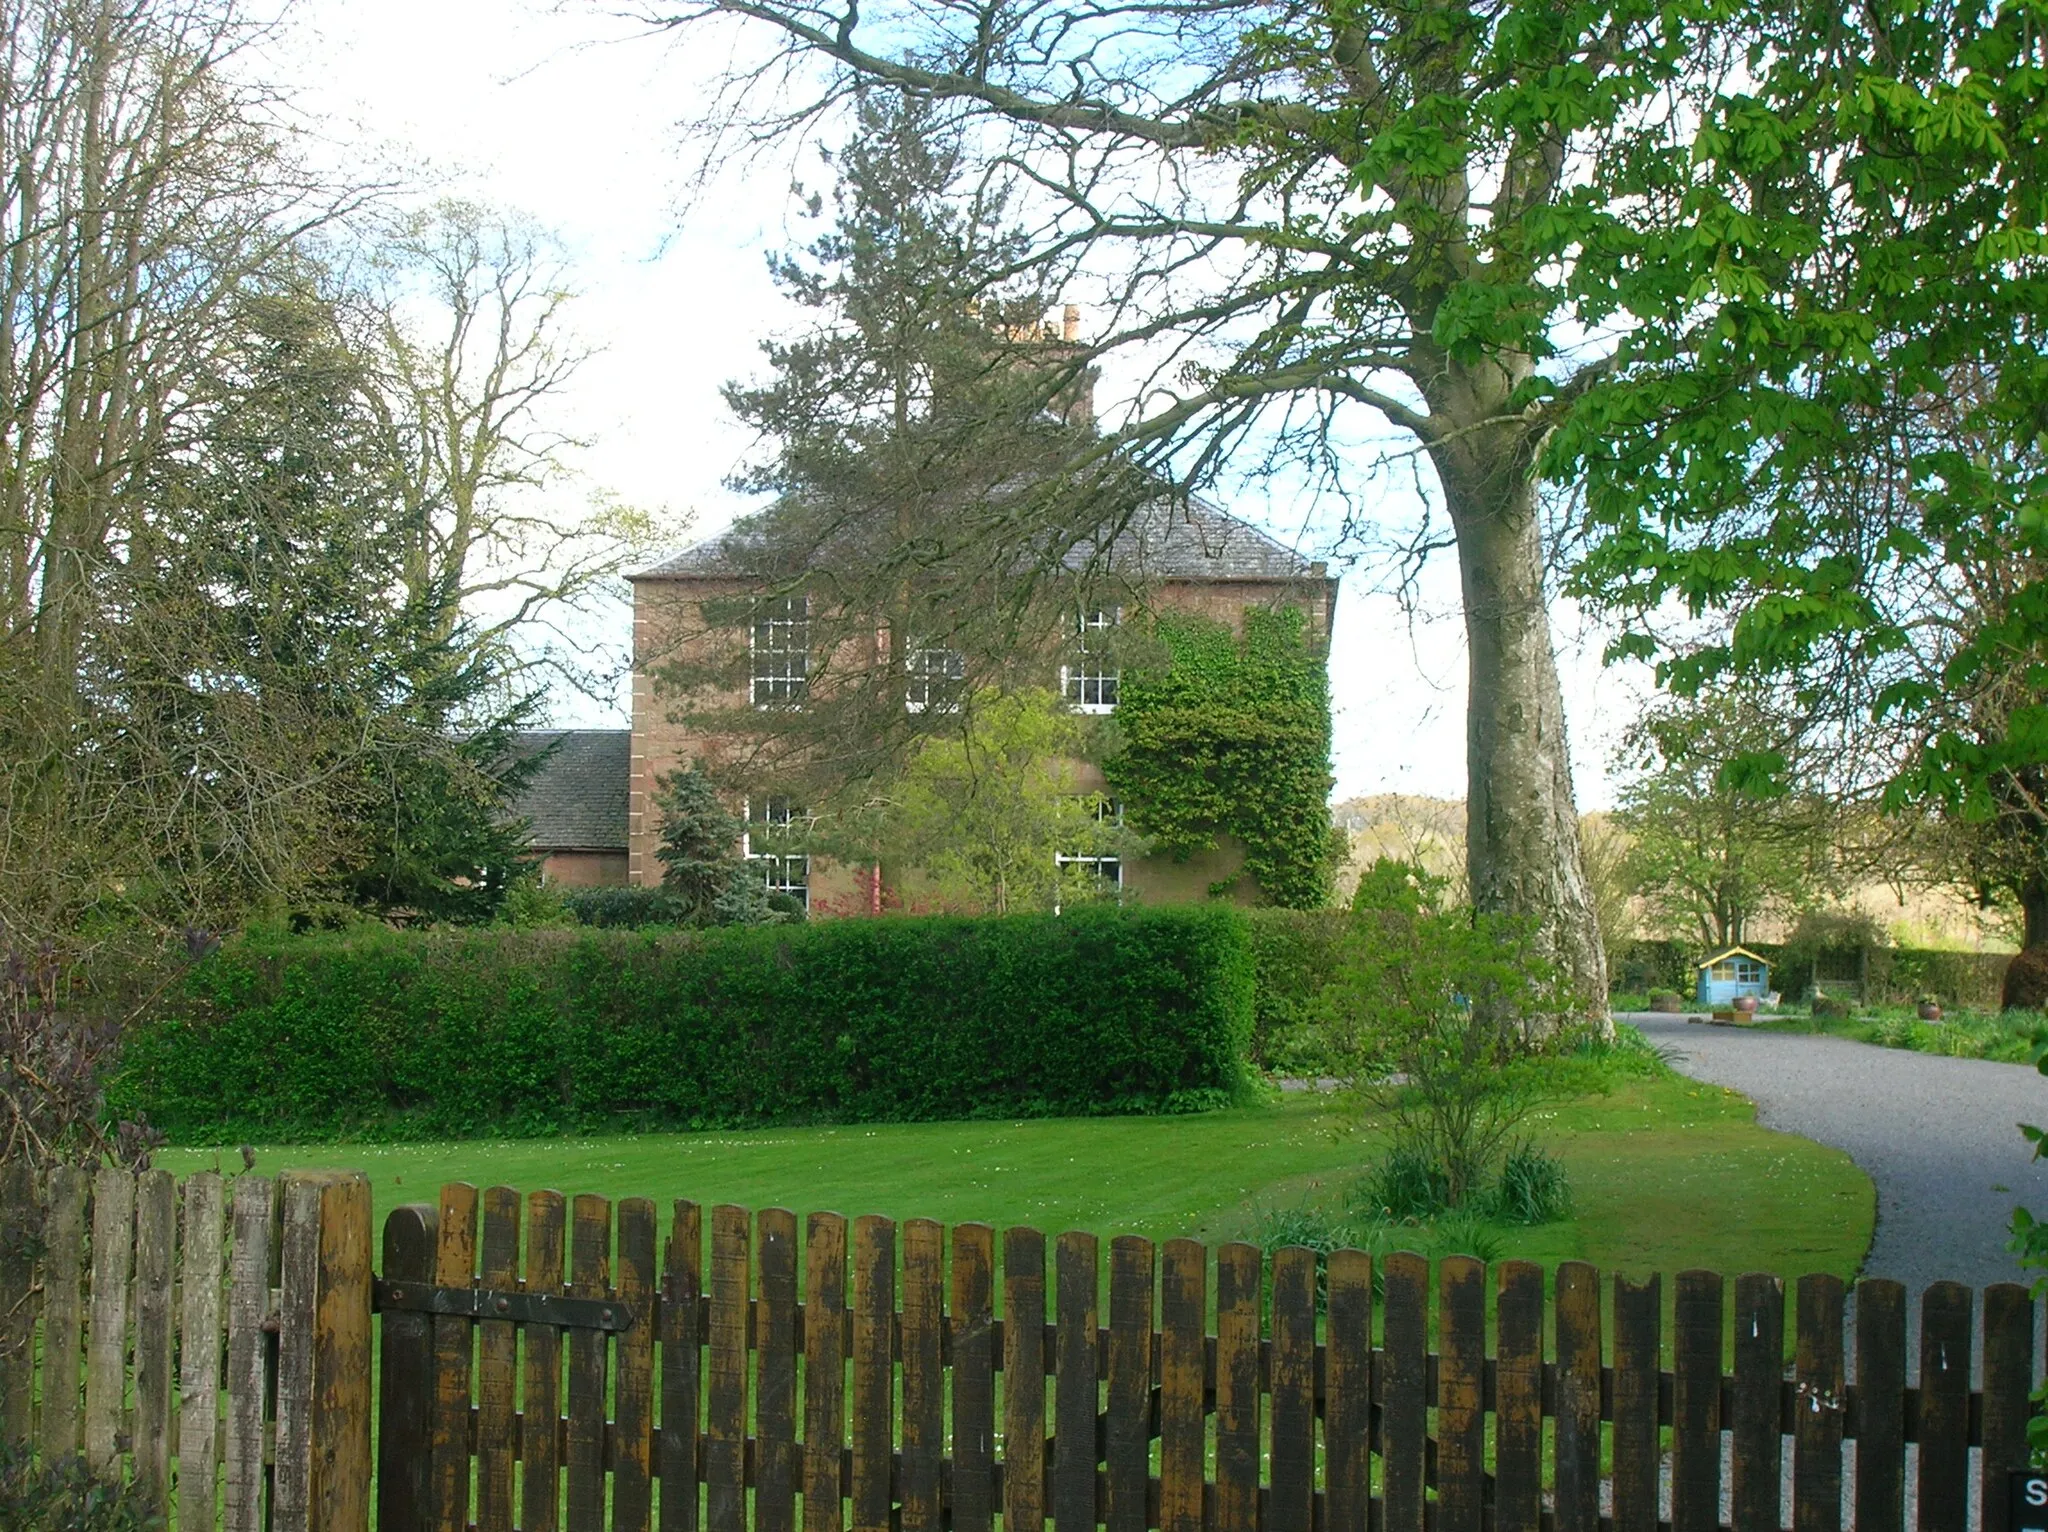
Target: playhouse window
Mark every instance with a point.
(1739, 970)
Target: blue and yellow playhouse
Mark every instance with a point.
(1737, 971)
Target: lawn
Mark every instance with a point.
(1666, 1174)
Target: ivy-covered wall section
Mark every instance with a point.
(1229, 736)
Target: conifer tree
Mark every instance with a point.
(921, 425)
(699, 849)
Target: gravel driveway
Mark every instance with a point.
(1937, 1135)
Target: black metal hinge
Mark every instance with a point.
(495, 1303)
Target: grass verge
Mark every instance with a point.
(2004, 1038)
(1666, 1173)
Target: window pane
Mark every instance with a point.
(780, 639)
(933, 679)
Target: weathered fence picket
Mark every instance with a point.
(119, 1295)
(574, 1366)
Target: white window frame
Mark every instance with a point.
(926, 665)
(1096, 864)
(778, 647)
(781, 872)
(1114, 863)
(1091, 688)
(1110, 866)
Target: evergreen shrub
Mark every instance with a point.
(450, 1034)
(622, 908)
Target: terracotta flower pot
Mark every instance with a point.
(1930, 1011)
(1746, 1004)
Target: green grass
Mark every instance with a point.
(1665, 1174)
(2006, 1038)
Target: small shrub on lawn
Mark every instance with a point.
(451, 1034)
(1407, 1182)
(1314, 1228)
(1467, 1233)
(1594, 1065)
(1310, 1227)
(1463, 1233)
(1444, 1022)
(1531, 1188)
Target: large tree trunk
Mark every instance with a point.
(2026, 976)
(1522, 848)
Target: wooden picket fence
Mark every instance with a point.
(954, 1393)
(564, 1365)
(152, 1326)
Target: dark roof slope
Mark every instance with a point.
(576, 798)
(1196, 540)
(1163, 540)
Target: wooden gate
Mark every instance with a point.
(568, 1365)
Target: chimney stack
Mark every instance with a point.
(1070, 322)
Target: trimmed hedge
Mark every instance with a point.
(528, 1033)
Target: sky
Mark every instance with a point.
(573, 119)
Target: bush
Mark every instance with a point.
(623, 908)
(1893, 1032)
(1295, 954)
(1594, 1065)
(1531, 1188)
(1407, 1182)
(1311, 1227)
(1650, 965)
(525, 1033)
(1461, 1233)
(65, 1497)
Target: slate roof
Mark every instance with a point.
(576, 799)
(1163, 540)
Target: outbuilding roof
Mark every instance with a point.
(1721, 957)
(1163, 540)
(576, 798)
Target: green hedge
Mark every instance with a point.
(1294, 956)
(529, 1033)
(1896, 975)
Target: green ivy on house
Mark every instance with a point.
(1229, 736)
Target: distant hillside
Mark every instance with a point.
(1407, 827)
(1413, 827)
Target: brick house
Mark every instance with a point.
(575, 803)
(1190, 558)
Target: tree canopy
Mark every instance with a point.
(1712, 846)
(1325, 237)
(908, 455)
(1818, 463)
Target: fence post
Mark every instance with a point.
(406, 1385)
(19, 1225)
(323, 1386)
